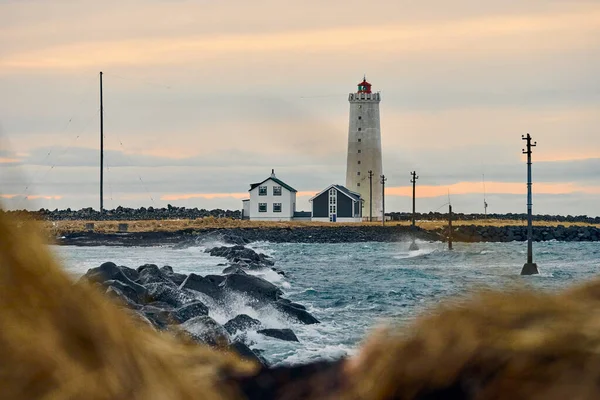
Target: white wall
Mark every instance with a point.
(367, 107)
(246, 208)
(287, 200)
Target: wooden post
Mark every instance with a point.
(450, 227)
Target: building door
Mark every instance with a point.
(332, 205)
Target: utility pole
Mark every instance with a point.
(414, 182)
(370, 196)
(485, 204)
(383, 179)
(530, 268)
(101, 148)
(450, 227)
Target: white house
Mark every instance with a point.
(270, 200)
(336, 203)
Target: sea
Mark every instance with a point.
(353, 288)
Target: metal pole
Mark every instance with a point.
(101, 148)
(413, 181)
(530, 268)
(370, 196)
(383, 179)
(450, 227)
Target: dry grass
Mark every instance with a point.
(65, 227)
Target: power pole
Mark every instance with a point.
(530, 268)
(101, 148)
(370, 196)
(450, 227)
(414, 182)
(383, 179)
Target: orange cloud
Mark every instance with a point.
(492, 188)
(31, 197)
(485, 34)
(8, 160)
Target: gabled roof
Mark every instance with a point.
(276, 180)
(342, 189)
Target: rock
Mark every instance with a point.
(234, 269)
(204, 329)
(150, 273)
(173, 276)
(205, 285)
(241, 322)
(160, 317)
(282, 334)
(160, 304)
(300, 315)
(191, 310)
(168, 294)
(290, 303)
(125, 301)
(252, 286)
(106, 272)
(244, 351)
(141, 319)
(130, 273)
(136, 293)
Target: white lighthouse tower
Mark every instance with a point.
(364, 148)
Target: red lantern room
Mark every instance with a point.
(364, 86)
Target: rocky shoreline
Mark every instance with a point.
(330, 234)
(182, 305)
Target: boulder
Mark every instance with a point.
(234, 269)
(204, 329)
(160, 317)
(204, 285)
(136, 293)
(173, 276)
(191, 310)
(130, 273)
(168, 294)
(282, 334)
(289, 302)
(302, 316)
(241, 322)
(106, 272)
(150, 273)
(124, 300)
(160, 304)
(252, 286)
(246, 353)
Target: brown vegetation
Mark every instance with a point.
(65, 227)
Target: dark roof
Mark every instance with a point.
(348, 192)
(302, 214)
(285, 185)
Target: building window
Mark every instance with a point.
(359, 140)
(358, 173)
(359, 150)
(360, 106)
(359, 161)
(276, 190)
(359, 117)
(262, 207)
(359, 129)
(276, 207)
(262, 191)
(358, 184)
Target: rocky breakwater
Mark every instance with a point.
(190, 305)
(475, 233)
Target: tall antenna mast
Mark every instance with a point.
(101, 148)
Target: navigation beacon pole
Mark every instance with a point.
(530, 268)
(101, 148)
(370, 196)
(383, 179)
(413, 246)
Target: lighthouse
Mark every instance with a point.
(364, 149)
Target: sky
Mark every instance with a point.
(202, 98)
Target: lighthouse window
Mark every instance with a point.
(359, 161)
(359, 129)
(358, 184)
(359, 117)
(358, 173)
(360, 106)
(359, 140)
(359, 150)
